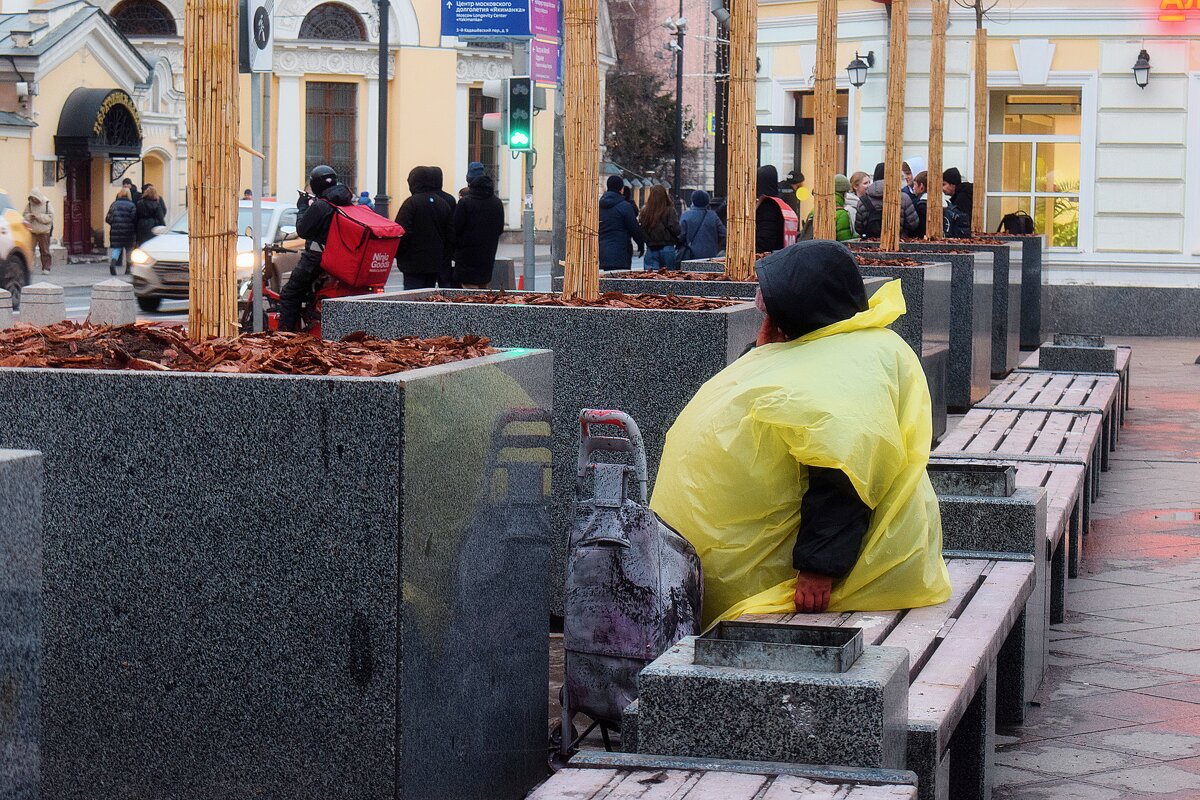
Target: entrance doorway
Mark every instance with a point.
(793, 147)
(77, 207)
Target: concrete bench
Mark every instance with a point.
(955, 651)
(1118, 365)
(1058, 437)
(609, 776)
(1064, 391)
(1064, 518)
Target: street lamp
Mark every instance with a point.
(1141, 69)
(678, 27)
(857, 69)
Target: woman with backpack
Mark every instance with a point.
(660, 222)
(122, 230)
(700, 230)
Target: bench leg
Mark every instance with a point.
(1076, 533)
(1106, 441)
(930, 764)
(973, 745)
(1023, 655)
(1058, 577)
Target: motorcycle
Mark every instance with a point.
(325, 288)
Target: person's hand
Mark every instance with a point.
(812, 592)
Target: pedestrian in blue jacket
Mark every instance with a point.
(618, 226)
(702, 232)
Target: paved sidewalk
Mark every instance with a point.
(1119, 715)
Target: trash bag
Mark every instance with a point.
(735, 467)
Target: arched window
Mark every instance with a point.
(333, 21)
(144, 18)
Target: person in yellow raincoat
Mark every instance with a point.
(798, 472)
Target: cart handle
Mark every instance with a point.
(631, 443)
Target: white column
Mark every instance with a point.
(289, 151)
(369, 178)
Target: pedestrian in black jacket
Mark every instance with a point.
(618, 225)
(151, 214)
(312, 223)
(428, 222)
(134, 194)
(478, 223)
(122, 230)
(446, 276)
(768, 216)
(962, 197)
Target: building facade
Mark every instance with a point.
(1109, 171)
(321, 104)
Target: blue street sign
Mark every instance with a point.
(488, 19)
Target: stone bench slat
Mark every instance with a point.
(618, 776)
(941, 693)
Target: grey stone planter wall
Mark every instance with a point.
(646, 363)
(969, 371)
(635, 283)
(277, 586)
(20, 623)
(1033, 249)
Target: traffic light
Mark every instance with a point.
(520, 114)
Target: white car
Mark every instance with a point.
(160, 266)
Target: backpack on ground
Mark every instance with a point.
(1018, 223)
(956, 224)
(361, 246)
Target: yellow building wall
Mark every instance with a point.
(18, 176)
(422, 115)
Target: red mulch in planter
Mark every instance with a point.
(889, 262)
(939, 242)
(668, 302)
(678, 275)
(165, 348)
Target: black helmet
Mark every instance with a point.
(322, 178)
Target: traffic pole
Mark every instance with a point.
(256, 180)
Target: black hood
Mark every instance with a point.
(435, 175)
(482, 186)
(768, 181)
(339, 195)
(810, 285)
(421, 179)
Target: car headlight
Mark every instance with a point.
(245, 260)
(140, 257)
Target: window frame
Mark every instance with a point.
(326, 113)
(350, 14)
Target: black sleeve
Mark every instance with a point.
(313, 222)
(833, 522)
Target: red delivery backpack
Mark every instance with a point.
(361, 246)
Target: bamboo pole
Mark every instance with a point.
(894, 133)
(581, 98)
(979, 173)
(210, 50)
(824, 220)
(743, 138)
(937, 118)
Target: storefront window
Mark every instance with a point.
(1033, 161)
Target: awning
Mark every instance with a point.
(99, 122)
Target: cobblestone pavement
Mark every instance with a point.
(1119, 714)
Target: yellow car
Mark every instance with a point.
(16, 250)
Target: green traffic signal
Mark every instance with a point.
(520, 113)
(519, 139)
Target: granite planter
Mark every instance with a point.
(640, 283)
(286, 586)
(1006, 294)
(647, 363)
(1033, 249)
(20, 623)
(969, 370)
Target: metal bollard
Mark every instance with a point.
(6, 311)
(42, 304)
(113, 303)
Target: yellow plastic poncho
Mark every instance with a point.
(850, 396)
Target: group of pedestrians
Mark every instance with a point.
(132, 219)
(449, 242)
(865, 200)
(663, 236)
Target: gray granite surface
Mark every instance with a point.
(640, 283)
(1033, 249)
(969, 371)
(964, 770)
(1121, 310)
(980, 480)
(1071, 358)
(42, 304)
(6, 309)
(1014, 525)
(935, 362)
(646, 363)
(856, 718)
(113, 303)
(292, 587)
(20, 624)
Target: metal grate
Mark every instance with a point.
(333, 22)
(331, 128)
(144, 18)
